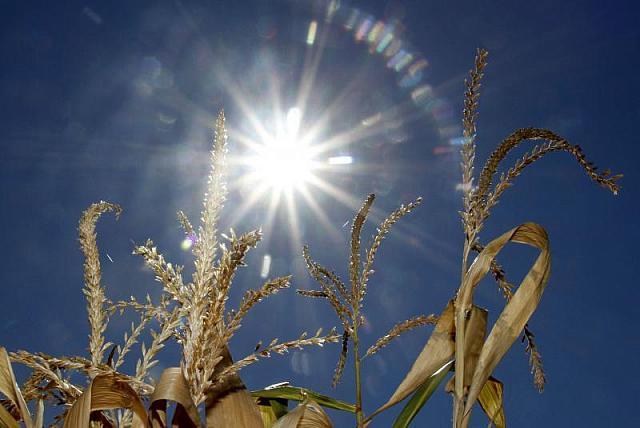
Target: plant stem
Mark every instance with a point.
(356, 358)
(458, 403)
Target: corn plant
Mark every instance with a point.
(194, 314)
(459, 342)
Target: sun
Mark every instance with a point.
(286, 161)
(283, 165)
(283, 162)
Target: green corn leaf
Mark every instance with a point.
(299, 394)
(420, 397)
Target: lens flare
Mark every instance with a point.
(311, 34)
(266, 266)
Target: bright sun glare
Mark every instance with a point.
(295, 159)
(286, 166)
(284, 162)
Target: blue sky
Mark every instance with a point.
(114, 101)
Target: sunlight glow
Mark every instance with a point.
(283, 165)
(293, 122)
(284, 162)
(340, 160)
(296, 160)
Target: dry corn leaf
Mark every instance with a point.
(271, 410)
(517, 311)
(228, 403)
(490, 400)
(172, 386)
(308, 414)
(291, 419)
(105, 392)
(158, 414)
(39, 422)
(99, 420)
(9, 387)
(6, 420)
(476, 330)
(436, 353)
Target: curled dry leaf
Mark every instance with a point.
(172, 386)
(9, 387)
(476, 330)
(490, 400)
(228, 402)
(6, 420)
(308, 414)
(105, 392)
(439, 351)
(517, 311)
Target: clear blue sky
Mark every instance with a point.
(113, 100)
